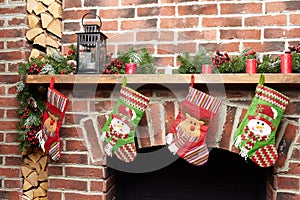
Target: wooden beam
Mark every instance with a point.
(162, 78)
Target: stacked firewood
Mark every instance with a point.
(35, 175)
(45, 25)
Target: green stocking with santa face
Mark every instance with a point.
(119, 130)
(255, 136)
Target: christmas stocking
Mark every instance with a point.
(54, 113)
(255, 136)
(118, 132)
(187, 135)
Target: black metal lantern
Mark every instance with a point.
(91, 48)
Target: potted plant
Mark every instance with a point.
(193, 64)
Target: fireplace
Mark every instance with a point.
(225, 176)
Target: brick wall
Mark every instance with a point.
(170, 27)
(13, 50)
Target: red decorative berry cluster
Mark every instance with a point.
(294, 49)
(31, 136)
(220, 58)
(35, 68)
(250, 55)
(115, 66)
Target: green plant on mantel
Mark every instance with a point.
(268, 65)
(143, 58)
(193, 64)
(295, 51)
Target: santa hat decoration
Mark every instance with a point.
(265, 113)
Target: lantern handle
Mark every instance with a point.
(82, 19)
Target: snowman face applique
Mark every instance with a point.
(120, 126)
(259, 127)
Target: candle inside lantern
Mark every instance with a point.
(251, 65)
(130, 68)
(286, 63)
(206, 69)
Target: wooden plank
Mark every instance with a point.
(164, 79)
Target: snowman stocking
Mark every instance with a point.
(187, 135)
(54, 113)
(255, 136)
(118, 132)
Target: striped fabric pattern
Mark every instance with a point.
(54, 151)
(203, 100)
(265, 156)
(126, 152)
(57, 99)
(134, 98)
(272, 96)
(197, 155)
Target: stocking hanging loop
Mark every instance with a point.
(52, 82)
(262, 79)
(124, 81)
(192, 80)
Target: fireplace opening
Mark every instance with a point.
(226, 176)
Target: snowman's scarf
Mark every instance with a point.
(248, 135)
(115, 135)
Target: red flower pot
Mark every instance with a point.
(206, 69)
(286, 63)
(251, 65)
(130, 68)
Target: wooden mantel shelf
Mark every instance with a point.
(164, 79)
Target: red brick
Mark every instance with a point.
(11, 33)
(292, 33)
(11, 114)
(229, 47)
(117, 13)
(294, 19)
(264, 47)
(71, 132)
(14, 195)
(77, 106)
(197, 35)
(137, 2)
(187, 22)
(74, 196)
(73, 158)
(71, 26)
(8, 125)
(13, 10)
(13, 161)
(74, 118)
(266, 20)
(274, 33)
(55, 183)
(169, 110)
(154, 35)
(12, 55)
(12, 67)
(285, 143)
(156, 11)
(164, 61)
(85, 172)
(75, 145)
(287, 196)
(241, 8)
(9, 79)
(55, 170)
(155, 117)
(287, 183)
(222, 22)
(72, 4)
(110, 26)
(13, 183)
(17, 21)
(69, 38)
(1, 136)
(12, 90)
(227, 128)
(11, 137)
(2, 90)
(1, 22)
(10, 172)
(282, 6)
(93, 141)
(101, 3)
(143, 133)
(138, 24)
(78, 14)
(1, 45)
(201, 9)
(240, 34)
(97, 186)
(174, 48)
(102, 106)
(54, 195)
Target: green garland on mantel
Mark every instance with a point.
(32, 99)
